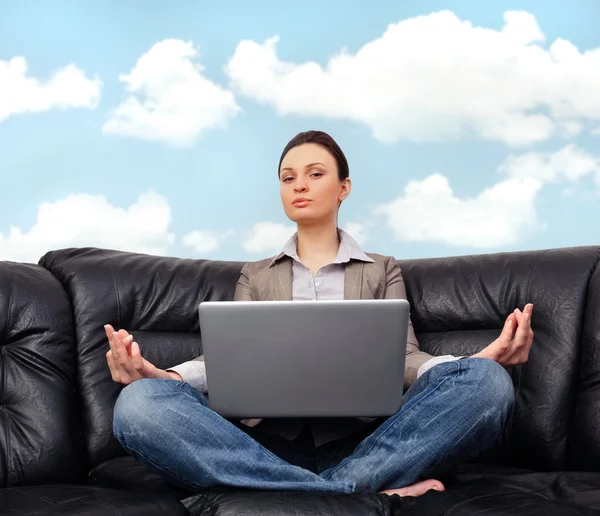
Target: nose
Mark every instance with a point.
(300, 186)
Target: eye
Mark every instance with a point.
(316, 174)
(285, 179)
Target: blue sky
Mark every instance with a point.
(467, 129)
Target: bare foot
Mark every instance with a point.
(416, 489)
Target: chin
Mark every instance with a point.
(306, 218)
(301, 218)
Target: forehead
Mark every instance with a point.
(302, 155)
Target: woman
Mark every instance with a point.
(454, 408)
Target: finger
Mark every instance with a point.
(522, 341)
(501, 345)
(528, 310)
(127, 342)
(124, 358)
(525, 353)
(109, 330)
(523, 344)
(518, 315)
(508, 331)
(512, 350)
(112, 367)
(120, 351)
(123, 333)
(112, 341)
(136, 357)
(525, 325)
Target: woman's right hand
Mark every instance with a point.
(125, 361)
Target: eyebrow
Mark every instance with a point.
(307, 166)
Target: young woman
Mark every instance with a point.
(454, 408)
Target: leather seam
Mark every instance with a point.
(577, 387)
(117, 295)
(6, 431)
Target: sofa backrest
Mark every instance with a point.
(155, 298)
(40, 436)
(459, 305)
(584, 444)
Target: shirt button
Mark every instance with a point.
(317, 284)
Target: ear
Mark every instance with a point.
(346, 189)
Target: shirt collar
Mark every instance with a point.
(348, 250)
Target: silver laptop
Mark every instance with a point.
(304, 358)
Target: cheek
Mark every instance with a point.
(285, 194)
(330, 193)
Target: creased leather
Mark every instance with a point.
(584, 453)
(458, 307)
(68, 500)
(39, 420)
(155, 298)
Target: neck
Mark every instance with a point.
(318, 241)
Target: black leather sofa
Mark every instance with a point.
(58, 454)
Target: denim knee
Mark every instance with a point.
(493, 382)
(136, 406)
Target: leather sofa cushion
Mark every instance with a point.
(69, 500)
(459, 305)
(255, 503)
(40, 435)
(584, 451)
(499, 492)
(129, 473)
(476, 489)
(156, 298)
(471, 489)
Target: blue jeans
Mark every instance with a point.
(450, 414)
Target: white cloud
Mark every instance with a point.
(435, 78)
(359, 231)
(429, 211)
(504, 214)
(568, 164)
(203, 242)
(169, 98)
(267, 237)
(82, 220)
(66, 88)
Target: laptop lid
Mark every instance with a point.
(305, 358)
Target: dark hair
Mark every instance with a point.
(324, 140)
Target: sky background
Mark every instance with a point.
(469, 127)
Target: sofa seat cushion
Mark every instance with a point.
(72, 500)
(282, 503)
(473, 491)
(129, 473)
(493, 491)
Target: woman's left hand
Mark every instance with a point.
(514, 343)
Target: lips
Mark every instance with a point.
(301, 202)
